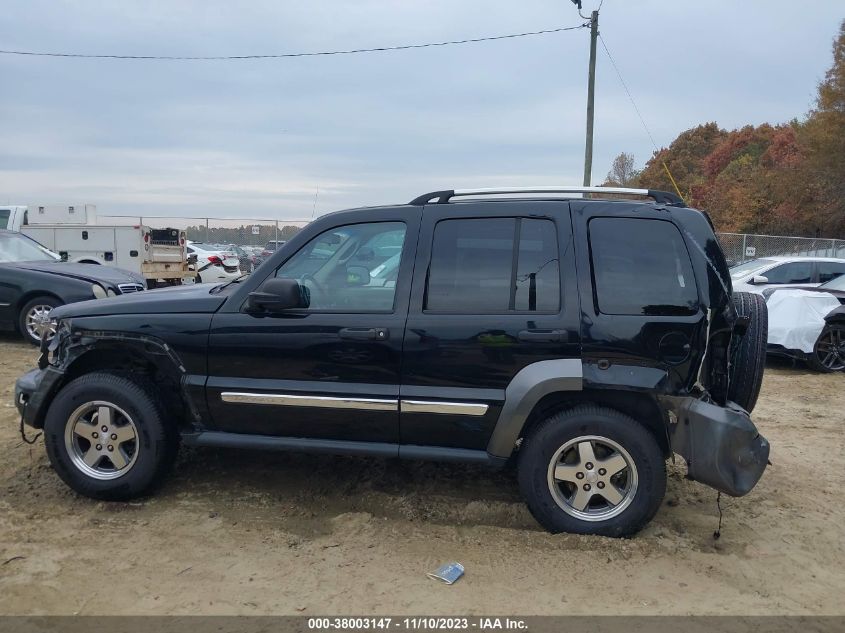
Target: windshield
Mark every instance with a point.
(837, 283)
(747, 268)
(15, 247)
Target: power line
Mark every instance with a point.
(639, 114)
(352, 51)
(628, 92)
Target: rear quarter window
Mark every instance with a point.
(641, 267)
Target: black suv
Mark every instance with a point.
(584, 338)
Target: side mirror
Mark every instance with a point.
(357, 276)
(759, 279)
(278, 294)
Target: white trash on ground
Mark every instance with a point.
(796, 317)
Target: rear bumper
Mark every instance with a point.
(721, 445)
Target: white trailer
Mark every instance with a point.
(160, 255)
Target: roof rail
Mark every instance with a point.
(443, 197)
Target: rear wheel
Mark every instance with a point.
(592, 470)
(829, 352)
(106, 437)
(34, 319)
(748, 352)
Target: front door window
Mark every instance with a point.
(351, 268)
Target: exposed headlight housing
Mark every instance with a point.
(98, 291)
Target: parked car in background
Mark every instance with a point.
(271, 247)
(796, 272)
(34, 280)
(246, 258)
(805, 326)
(214, 263)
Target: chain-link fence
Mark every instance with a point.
(741, 247)
(217, 231)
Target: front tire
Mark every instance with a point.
(829, 351)
(106, 438)
(591, 470)
(34, 319)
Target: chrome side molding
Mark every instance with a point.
(452, 408)
(364, 404)
(325, 402)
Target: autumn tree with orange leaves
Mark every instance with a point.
(780, 179)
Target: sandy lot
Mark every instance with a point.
(249, 533)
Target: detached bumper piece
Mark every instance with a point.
(721, 445)
(33, 392)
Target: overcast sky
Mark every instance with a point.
(257, 138)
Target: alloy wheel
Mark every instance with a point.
(592, 478)
(830, 348)
(38, 322)
(101, 440)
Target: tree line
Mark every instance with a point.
(786, 179)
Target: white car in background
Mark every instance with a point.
(796, 272)
(214, 265)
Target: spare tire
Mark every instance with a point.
(748, 351)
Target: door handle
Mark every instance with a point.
(365, 334)
(542, 336)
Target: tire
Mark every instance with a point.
(140, 462)
(555, 445)
(748, 353)
(31, 318)
(829, 351)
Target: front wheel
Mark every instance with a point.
(592, 470)
(829, 352)
(34, 319)
(106, 437)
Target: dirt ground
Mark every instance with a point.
(237, 532)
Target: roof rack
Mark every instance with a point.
(443, 197)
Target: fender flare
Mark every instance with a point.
(525, 390)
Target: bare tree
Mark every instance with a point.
(622, 172)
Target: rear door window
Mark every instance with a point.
(791, 273)
(641, 266)
(494, 266)
(829, 271)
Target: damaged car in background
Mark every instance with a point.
(585, 339)
(809, 324)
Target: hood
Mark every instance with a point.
(175, 299)
(84, 272)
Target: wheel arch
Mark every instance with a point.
(29, 295)
(546, 387)
(129, 356)
(638, 405)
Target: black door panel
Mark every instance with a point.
(331, 371)
(645, 307)
(470, 358)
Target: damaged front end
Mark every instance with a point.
(35, 389)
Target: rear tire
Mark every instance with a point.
(829, 351)
(591, 470)
(748, 353)
(106, 437)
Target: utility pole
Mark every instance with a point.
(591, 95)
